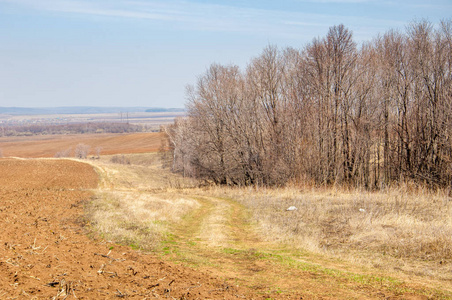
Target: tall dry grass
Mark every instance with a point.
(398, 229)
(139, 220)
(138, 201)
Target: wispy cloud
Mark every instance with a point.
(199, 16)
(338, 1)
(99, 8)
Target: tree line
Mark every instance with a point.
(330, 113)
(73, 128)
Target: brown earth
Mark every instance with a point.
(49, 145)
(44, 252)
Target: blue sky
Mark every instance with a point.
(144, 53)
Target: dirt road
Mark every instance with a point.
(217, 238)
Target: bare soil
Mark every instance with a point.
(49, 145)
(45, 253)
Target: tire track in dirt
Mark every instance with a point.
(214, 231)
(217, 238)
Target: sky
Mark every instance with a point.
(144, 53)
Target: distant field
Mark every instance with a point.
(48, 146)
(149, 119)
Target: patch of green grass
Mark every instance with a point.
(389, 283)
(169, 239)
(160, 222)
(288, 259)
(169, 246)
(169, 242)
(166, 250)
(232, 251)
(134, 246)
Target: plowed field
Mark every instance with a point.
(44, 252)
(49, 145)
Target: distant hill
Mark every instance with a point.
(165, 110)
(80, 110)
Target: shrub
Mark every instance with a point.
(64, 153)
(120, 159)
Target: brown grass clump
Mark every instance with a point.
(395, 229)
(120, 159)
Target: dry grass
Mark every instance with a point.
(137, 219)
(137, 202)
(400, 230)
(142, 172)
(394, 230)
(213, 228)
(120, 159)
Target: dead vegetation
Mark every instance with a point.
(333, 112)
(395, 230)
(120, 159)
(405, 231)
(82, 150)
(136, 200)
(136, 219)
(63, 153)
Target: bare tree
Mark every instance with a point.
(180, 144)
(98, 151)
(330, 113)
(82, 151)
(64, 153)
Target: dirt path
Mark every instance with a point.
(217, 238)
